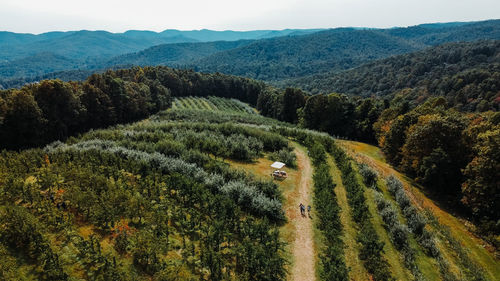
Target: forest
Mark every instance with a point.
(467, 74)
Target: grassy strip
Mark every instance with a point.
(372, 246)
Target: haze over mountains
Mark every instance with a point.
(268, 55)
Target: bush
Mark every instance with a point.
(402, 199)
(416, 222)
(399, 235)
(369, 175)
(426, 240)
(393, 184)
(286, 156)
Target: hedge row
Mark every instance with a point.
(332, 257)
(372, 247)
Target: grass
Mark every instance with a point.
(391, 254)
(477, 249)
(289, 188)
(351, 251)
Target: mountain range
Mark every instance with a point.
(269, 55)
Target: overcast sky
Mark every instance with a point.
(37, 16)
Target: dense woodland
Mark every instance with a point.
(467, 74)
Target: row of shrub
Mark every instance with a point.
(210, 221)
(247, 196)
(285, 155)
(333, 265)
(371, 245)
(417, 223)
(398, 232)
(212, 103)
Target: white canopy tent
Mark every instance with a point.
(278, 165)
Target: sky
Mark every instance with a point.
(38, 16)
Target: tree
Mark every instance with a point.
(480, 189)
(293, 99)
(434, 151)
(100, 110)
(23, 121)
(61, 107)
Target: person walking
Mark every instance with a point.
(302, 209)
(309, 211)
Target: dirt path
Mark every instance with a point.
(303, 245)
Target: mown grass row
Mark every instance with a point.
(212, 103)
(371, 245)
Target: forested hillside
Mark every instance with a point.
(336, 49)
(284, 57)
(25, 57)
(466, 74)
(173, 54)
(289, 54)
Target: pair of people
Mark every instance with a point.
(303, 210)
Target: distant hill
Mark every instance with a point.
(467, 73)
(84, 43)
(174, 54)
(35, 64)
(337, 49)
(80, 44)
(287, 55)
(91, 49)
(295, 56)
(205, 35)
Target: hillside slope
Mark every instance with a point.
(337, 49)
(90, 49)
(469, 257)
(173, 54)
(465, 73)
(283, 57)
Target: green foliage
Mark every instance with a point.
(369, 175)
(153, 201)
(446, 152)
(286, 156)
(480, 189)
(465, 73)
(332, 260)
(371, 246)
